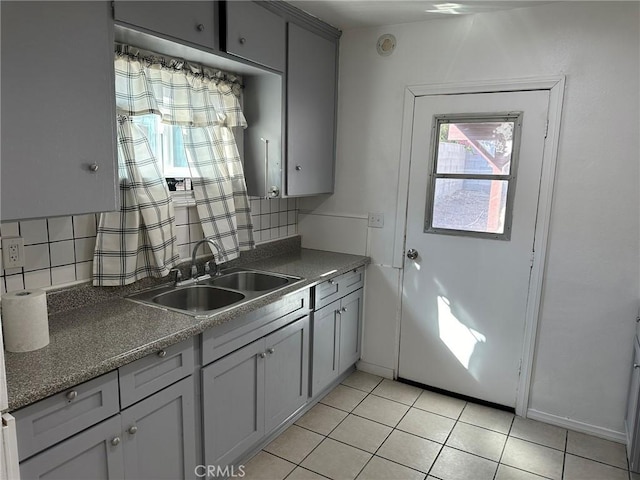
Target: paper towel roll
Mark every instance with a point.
(24, 319)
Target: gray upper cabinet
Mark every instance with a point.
(58, 109)
(95, 453)
(311, 112)
(192, 22)
(255, 34)
(159, 435)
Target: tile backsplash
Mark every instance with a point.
(59, 250)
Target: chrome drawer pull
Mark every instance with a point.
(72, 395)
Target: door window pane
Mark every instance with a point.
(473, 163)
(475, 147)
(471, 205)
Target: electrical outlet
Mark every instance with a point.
(13, 252)
(376, 220)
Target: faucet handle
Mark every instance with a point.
(207, 268)
(194, 271)
(177, 272)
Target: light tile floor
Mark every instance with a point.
(370, 428)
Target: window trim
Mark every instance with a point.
(510, 178)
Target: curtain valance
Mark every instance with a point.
(181, 92)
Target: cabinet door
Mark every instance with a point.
(256, 34)
(326, 331)
(233, 404)
(350, 328)
(631, 420)
(193, 22)
(159, 434)
(58, 109)
(286, 372)
(90, 454)
(311, 119)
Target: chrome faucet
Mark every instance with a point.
(207, 266)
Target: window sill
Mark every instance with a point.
(183, 199)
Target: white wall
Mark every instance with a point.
(592, 285)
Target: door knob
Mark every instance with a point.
(412, 254)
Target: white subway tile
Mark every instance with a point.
(37, 279)
(184, 252)
(193, 215)
(9, 229)
(36, 257)
(60, 275)
(84, 249)
(34, 231)
(292, 217)
(3, 288)
(60, 228)
(257, 236)
(275, 220)
(273, 233)
(283, 218)
(14, 271)
(195, 232)
(182, 216)
(282, 231)
(265, 235)
(84, 270)
(14, 283)
(274, 205)
(62, 253)
(292, 229)
(84, 226)
(264, 205)
(182, 234)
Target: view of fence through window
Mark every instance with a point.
(472, 176)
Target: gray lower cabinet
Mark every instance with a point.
(253, 390)
(58, 109)
(336, 341)
(95, 453)
(159, 439)
(153, 439)
(190, 21)
(632, 420)
(311, 112)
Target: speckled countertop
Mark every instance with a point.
(99, 337)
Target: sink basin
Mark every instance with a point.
(249, 281)
(198, 298)
(236, 286)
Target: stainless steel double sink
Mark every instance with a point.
(218, 293)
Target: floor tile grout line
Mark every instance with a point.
(595, 461)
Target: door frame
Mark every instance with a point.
(556, 87)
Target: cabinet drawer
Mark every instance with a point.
(57, 417)
(337, 287)
(152, 373)
(224, 339)
(256, 34)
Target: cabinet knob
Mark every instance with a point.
(94, 167)
(338, 312)
(242, 40)
(636, 365)
(332, 282)
(262, 354)
(200, 27)
(344, 309)
(72, 395)
(132, 430)
(271, 350)
(162, 353)
(115, 441)
(298, 167)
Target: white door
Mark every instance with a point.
(470, 226)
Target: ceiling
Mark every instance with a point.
(346, 14)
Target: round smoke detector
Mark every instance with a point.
(386, 44)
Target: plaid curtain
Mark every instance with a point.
(219, 187)
(139, 240)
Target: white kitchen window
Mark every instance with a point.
(473, 171)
